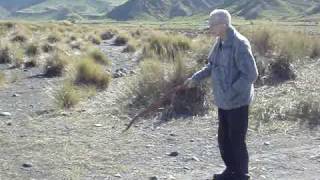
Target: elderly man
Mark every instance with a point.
(233, 70)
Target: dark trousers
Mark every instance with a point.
(233, 126)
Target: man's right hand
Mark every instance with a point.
(189, 83)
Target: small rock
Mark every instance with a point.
(186, 168)
(149, 146)
(172, 134)
(132, 72)
(195, 158)
(9, 124)
(15, 95)
(266, 143)
(153, 178)
(5, 114)
(118, 175)
(170, 177)
(98, 125)
(174, 154)
(27, 165)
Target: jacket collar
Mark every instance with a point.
(229, 36)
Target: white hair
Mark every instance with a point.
(219, 16)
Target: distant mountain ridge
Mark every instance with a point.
(155, 9)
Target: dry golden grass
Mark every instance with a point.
(2, 78)
(55, 65)
(92, 74)
(68, 96)
(166, 46)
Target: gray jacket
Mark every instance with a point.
(232, 69)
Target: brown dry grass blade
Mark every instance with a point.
(155, 105)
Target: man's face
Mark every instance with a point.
(217, 29)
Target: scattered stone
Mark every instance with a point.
(153, 178)
(27, 165)
(172, 134)
(9, 124)
(191, 140)
(15, 95)
(170, 177)
(98, 125)
(64, 114)
(186, 168)
(266, 143)
(132, 72)
(121, 72)
(118, 175)
(5, 114)
(149, 145)
(195, 158)
(174, 154)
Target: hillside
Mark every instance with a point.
(249, 9)
(57, 9)
(161, 9)
(156, 9)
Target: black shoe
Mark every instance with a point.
(241, 177)
(226, 175)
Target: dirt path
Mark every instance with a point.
(87, 143)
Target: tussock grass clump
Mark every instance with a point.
(308, 111)
(262, 40)
(17, 56)
(121, 40)
(315, 49)
(94, 39)
(53, 38)
(166, 46)
(31, 63)
(32, 50)
(46, 47)
(55, 65)
(5, 55)
(92, 74)
(20, 38)
(68, 96)
(2, 78)
(99, 57)
(106, 35)
(129, 48)
(157, 78)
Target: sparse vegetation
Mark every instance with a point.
(55, 65)
(2, 78)
(32, 50)
(99, 57)
(106, 35)
(166, 46)
(121, 40)
(92, 74)
(95, 39)
(47, 47)
(20, 38)
(53, 38)
(5, 55)
(68, 96)
(31, 63)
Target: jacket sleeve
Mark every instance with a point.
(203, 73)
(247, 67)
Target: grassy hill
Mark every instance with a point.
(58, 9)
(249, 9)
(157, 9)
(161, 9)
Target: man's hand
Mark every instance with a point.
(189, 83)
